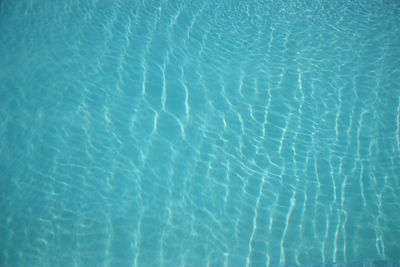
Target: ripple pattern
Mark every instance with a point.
(199, 133)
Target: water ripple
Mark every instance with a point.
(175, 133)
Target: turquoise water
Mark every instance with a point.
(199, 133)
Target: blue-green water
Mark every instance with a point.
(199, 133)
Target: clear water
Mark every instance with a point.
(199, 133)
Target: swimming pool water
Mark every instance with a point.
(199, 133)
